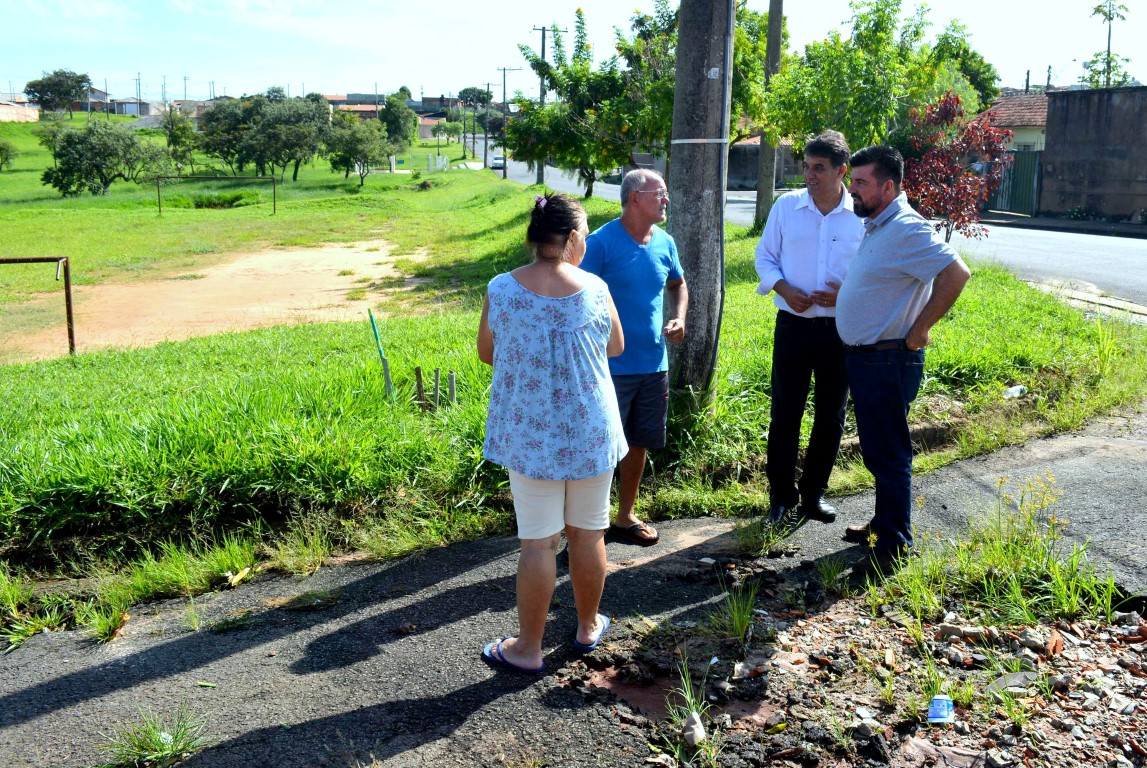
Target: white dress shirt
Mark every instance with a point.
(807, 248)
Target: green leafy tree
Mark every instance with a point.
(750, 53)
(1106, 70)
(403, 93)
(650, 59)
(290, 132)
(862, 85)
(8, 153)
(94, 157)
(952, 46)
(222, 129)
(48, 132)
(1110, 11)
(583, 131)
(354, 145)
(57, 91)
(400, 122)
(474, 96)
(182, 140)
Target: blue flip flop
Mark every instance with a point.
(492, 653)
(582, 647)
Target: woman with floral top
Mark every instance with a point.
(548, 329)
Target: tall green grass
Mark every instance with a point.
(116, 451)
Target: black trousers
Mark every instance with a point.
(804, 350)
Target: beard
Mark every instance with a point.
(860, 208)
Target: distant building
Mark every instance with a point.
(1025, 115)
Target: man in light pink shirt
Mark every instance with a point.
(803, 256)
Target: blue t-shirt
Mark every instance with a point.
(636, 275)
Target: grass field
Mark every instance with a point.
(107, 454)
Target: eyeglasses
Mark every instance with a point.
(662, 194)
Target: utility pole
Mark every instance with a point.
(767, 160)
(486, 133)
(697, 175)
(1048, 86)
(542, 97)
(138, 98)
(164, 91)
(185, 79)
(505, 117)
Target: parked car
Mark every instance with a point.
(498, 163)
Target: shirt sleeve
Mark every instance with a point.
(768, 252)
(926, 255)
(676, 272)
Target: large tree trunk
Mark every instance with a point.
(697, 182)
(767, 167)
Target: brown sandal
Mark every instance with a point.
(641, 534)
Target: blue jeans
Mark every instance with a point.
(883, 385)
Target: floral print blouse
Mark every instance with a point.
(553, 412)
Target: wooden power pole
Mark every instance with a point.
(697, 173)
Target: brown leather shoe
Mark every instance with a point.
(857, 534)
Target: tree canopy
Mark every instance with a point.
(582, 131)
(953, 165)
(92, 158)
(400, 122)
(354, 145)
(57, 91)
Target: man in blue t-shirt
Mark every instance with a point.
(638, 261)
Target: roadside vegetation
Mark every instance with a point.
(280, 446)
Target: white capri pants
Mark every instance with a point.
(546, 507)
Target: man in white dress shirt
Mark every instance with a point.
(803, 256)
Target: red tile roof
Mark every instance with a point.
(1023, 111)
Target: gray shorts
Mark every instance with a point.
(643, 399)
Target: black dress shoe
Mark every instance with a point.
(817, 509)
(778, 513)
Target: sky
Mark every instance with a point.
(237, 47)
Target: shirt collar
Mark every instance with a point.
(845, 203)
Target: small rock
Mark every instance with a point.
(1078, 733)
(1129, 619)
(1033, 639)
(775, 719)
(962, 728)
(947, 631)
(1059, 682)
(866, 729)
(999, 759)
(694, 730)
(1013, 680)
(864, 713)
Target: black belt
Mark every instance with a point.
(816, 320)
(887, 345)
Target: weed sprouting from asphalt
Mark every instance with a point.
(154, 741)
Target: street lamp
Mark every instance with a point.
(463, 129)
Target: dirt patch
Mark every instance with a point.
(253, 290)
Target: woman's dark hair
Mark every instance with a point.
(553, 218)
